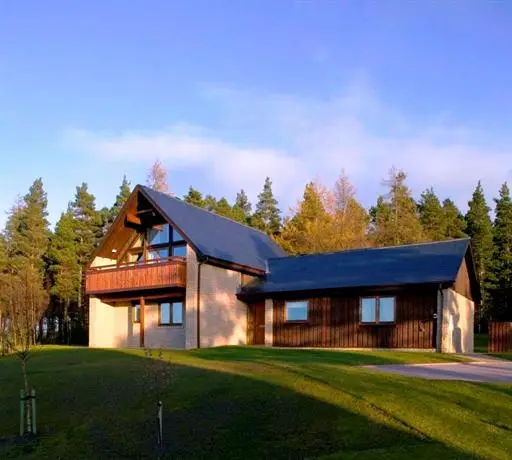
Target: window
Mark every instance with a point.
(158, 235)
(376, 310)
(170, 313)
(177, 236)
(155, 244)
(136, 313)
(179, 251)
(297, 310)
(158, 254)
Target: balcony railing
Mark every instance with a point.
(170, 272)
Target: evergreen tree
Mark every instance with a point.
(65, 268)
(210, 203)
(121, 198)
(310, 229)
(432, 216)
(23, 290)
(395, 218)
(501, 265)
(88, 227)
(30, 232)
(157, 178)
(479, 228)
(243, 204)
(267, 216)
(454, 225)
(223, 208)
(194, 197)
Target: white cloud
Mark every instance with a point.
(294, 139)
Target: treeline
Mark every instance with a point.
(42, 271)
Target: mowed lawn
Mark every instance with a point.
(251, 403)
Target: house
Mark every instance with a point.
(170, 274)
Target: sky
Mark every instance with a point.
(226, 93)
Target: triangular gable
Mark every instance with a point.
(466, 282)
(213, 237)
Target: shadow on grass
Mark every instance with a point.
(94, 404)
(306, 356)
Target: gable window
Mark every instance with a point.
(158, 235)
(136, 313)
(377, 310)
(170, 314)
(296, 310)
(154, 245)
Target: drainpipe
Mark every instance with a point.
(439, 322)
(201, 259)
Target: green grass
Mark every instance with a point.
(252, 403)
(481, 342)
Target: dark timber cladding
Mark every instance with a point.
(335, 322)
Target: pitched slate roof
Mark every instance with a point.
(216, 236)
(373, 267)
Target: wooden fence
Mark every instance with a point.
(500, 336)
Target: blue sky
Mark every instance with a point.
(228, 92)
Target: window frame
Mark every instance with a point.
(377, 321)
(146, 248)
(286, 302)
(171, 303)
(134, 309)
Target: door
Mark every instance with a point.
(256, 324)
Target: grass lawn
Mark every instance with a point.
(252, 403)
(481, 342)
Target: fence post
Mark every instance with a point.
(33, 405)
(22, 412)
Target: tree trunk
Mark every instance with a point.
(66, 322)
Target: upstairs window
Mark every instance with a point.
(377, 310)
(158, 235)
(297, 310)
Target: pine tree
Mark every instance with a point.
(30, 235)
(454, 224)
(194, 197)
(157, 178)
(223, 208)
(121, 198)
(23, 290)
(88, 227)
(267, 216)
(395, 219)
(87, 223)
(432, 216)
(210, 203)
(311, 228)
(242, 207)
(479, 228)
(65, 268)
(501, 264)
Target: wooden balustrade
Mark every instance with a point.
(171, 272)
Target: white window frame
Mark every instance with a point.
(377, 309)
(288, 302)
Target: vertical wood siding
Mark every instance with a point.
(334, 322)
(500, 336)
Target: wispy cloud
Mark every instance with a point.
(293, 139)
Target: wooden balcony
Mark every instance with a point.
(171, 272)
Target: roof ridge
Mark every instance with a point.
(208, 211)
(363, 249)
